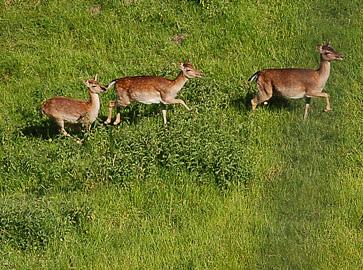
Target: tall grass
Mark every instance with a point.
(219, 188)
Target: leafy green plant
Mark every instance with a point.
(220, 187)
(27, 227)
(34, 226)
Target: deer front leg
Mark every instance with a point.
(176, 101)
(307, 105)
(87, 126)
(164, 117)
(111, 105)
(324, 95)
(327, 108)
(163, 111)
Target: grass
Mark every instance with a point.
(220, 188)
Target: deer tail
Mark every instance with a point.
(254, 77)
(111, 84)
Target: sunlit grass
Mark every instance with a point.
(221, 187)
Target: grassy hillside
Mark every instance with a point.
(221, 187)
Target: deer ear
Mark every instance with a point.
(96, 77)
(319, 48)
(85, 82)
(181, 65)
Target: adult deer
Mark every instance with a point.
(149, 90)
(69, 110)
(296, 83)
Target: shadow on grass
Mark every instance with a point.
(47, 129)
(276, 103)
(195, 1)
(44, 130)
(135, 112)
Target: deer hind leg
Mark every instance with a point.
(122, 102)
(111, 105)
(264, 94)
(60, 123)
(163, 111)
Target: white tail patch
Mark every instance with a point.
(111, 84)
(254, 77)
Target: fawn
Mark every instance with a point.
(69, 110)
(149, 90)
(296, 83)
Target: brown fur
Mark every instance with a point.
(149, 90)
(296, 83)
(68, 110)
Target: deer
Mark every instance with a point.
(150, 90)
(68, 110)
(296, 83)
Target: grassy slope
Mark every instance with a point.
(221, 188)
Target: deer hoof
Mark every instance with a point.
(253, 104)
(107, 122)
(65, 134)
(327, 110)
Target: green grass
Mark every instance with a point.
(221, 187)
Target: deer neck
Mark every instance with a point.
(324, 71)
(94, 104)
(179, 82)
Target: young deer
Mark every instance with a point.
(64, 109)
(296, 83)
(149, 90)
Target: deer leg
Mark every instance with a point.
(122, 101)
(118, 117)
(176, 101)
(307, 105)
(60, 123)
(163, 111)
(111, 105)
(87, 126)
(327, 107)
(254, 103)
(324, 95)
(164, 117)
